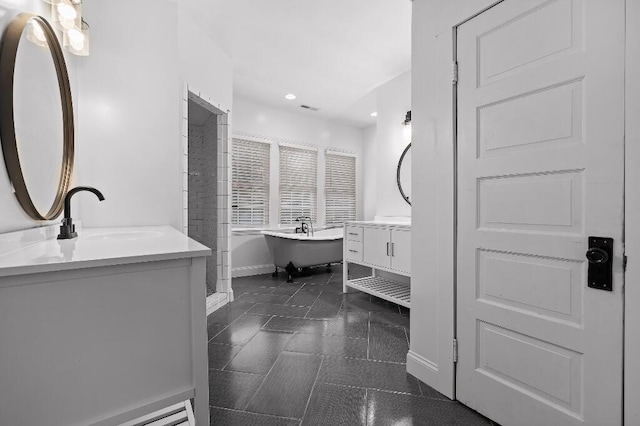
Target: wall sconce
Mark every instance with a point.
(407, 118)
(66, 14)
(76, 40)
(407, 127)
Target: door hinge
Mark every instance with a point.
(624, 262)
(454, 77)
(455, 350)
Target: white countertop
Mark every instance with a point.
(37, 250)
(380, 222)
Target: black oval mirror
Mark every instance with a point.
(404, 174)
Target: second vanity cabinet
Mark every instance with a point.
(388, 249)
(383, 247)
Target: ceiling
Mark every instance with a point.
(331, 54)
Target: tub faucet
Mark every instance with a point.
(304, 226)
(68, 229)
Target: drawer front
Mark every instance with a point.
(354, 233)
(354, 251)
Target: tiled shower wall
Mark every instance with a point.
(221, 250)
(202, 198)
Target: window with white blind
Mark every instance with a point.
(340, 188)
(298, 183)
(250, 183)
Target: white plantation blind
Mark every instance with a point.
(298, 183)
(250, 182)
(340, 188)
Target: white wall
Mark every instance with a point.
(392, 137)
(250, 254)
(203, 64)
(130, 96)
(370, 176)
(128, 125)
(432, 243)
(12, 217)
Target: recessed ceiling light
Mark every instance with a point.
(290, 96)
(374, 114)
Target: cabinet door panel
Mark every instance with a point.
(375, 247)
(401, 251)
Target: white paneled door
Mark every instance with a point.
(540, 169)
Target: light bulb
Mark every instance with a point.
(38, 31)
(67, 12)
(76, 39)
(36, 34)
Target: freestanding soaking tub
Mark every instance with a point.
(296, 251)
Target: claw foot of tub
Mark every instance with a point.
(290, 270)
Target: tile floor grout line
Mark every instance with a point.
(406, 336)
(233, 357)
(370, 360)
(265, 324)
(262, 383)
(368, 335)
(252, 412)
(290, 297)
(235, 372)
(315, 382)
(311, 307)
(395, 392)
(366, 402)
(223, 329)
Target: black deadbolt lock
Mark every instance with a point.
(600, 256)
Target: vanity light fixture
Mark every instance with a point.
(290, 96)
(76, 39)
(67, 17)
(407, 118)
(66, 14)
(374, 114)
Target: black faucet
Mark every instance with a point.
(68, 229)
(304, 227)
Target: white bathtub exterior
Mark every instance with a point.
(321, 248)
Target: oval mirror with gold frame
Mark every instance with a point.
(36, 122)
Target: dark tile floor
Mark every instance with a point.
(304, 353)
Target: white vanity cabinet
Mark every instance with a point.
(383, 247)
(101, 329)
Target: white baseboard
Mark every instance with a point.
(246, 271)
(423, 369)
(216, 301)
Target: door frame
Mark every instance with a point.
(224, 291)
(434, 225)
(632, 216)
(433, 251)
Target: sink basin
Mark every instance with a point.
(124, 236)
